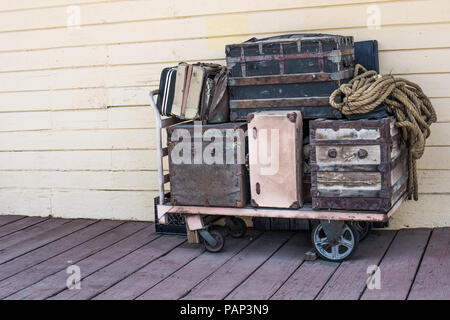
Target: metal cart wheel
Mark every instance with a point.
(218, 238)
(236, 227)
(342, 248)
(363, 228)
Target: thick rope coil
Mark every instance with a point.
(404, 99)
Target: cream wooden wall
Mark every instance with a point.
(76, 135)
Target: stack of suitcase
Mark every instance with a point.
(297, 149)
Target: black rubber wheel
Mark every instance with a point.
(363, 228)
(219, 237)
(341, 251)
(236, 227)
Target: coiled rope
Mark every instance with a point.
(404, 99)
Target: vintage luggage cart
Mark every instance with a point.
(335, 233)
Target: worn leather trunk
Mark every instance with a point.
(207, 164)
(357, 165)
(298, 71)
(275, 140)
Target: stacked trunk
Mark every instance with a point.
(208, 173)
(357, 165)
(293, 72)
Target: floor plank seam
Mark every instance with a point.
(137, 270)
(59, 270)
(12, 221)
(107, 265)
(258, 267)
(420, 263)
(62, 252)
(220, 266)
(328, 280)
(287, 279)
(20, 230)
(381, 260)
(48, 243)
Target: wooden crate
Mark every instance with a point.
(357, 165)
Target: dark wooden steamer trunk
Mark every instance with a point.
(222, 185)
(294, 72)
(357, 165)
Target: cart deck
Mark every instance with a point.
(305, 212)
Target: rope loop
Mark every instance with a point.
(403, 99)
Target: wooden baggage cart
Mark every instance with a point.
(335, 234)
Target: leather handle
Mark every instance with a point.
(258, 188)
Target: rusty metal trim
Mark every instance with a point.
(290, 78)
(270, 57)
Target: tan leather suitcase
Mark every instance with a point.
(275, 141)
(201, 93)
(188, 90)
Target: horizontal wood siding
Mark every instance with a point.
(76, 132)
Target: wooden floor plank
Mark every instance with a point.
(432, 281)
(399, 265)
(56, 283)
(160, 269)
(183, 280)
(42, 239)
(349, 280)
(307, 281)
(239, 268)
(99, 281)
(19, 225)
(54, 248)
(31, 232)
(6, 219)
(262, 284)
(128, 231)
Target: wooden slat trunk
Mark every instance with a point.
(357, 165)
(199, 183)
(292, 72)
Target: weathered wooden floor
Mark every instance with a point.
(127, 260)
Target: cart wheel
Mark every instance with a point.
(236, 227)
(342, 250)
(218, 236)
(363, 228)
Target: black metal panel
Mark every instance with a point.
(280, 91)
(366, 54)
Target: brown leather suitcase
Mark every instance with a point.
(200, 92)
(195, 180)
(275, 154)
(357, 165)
